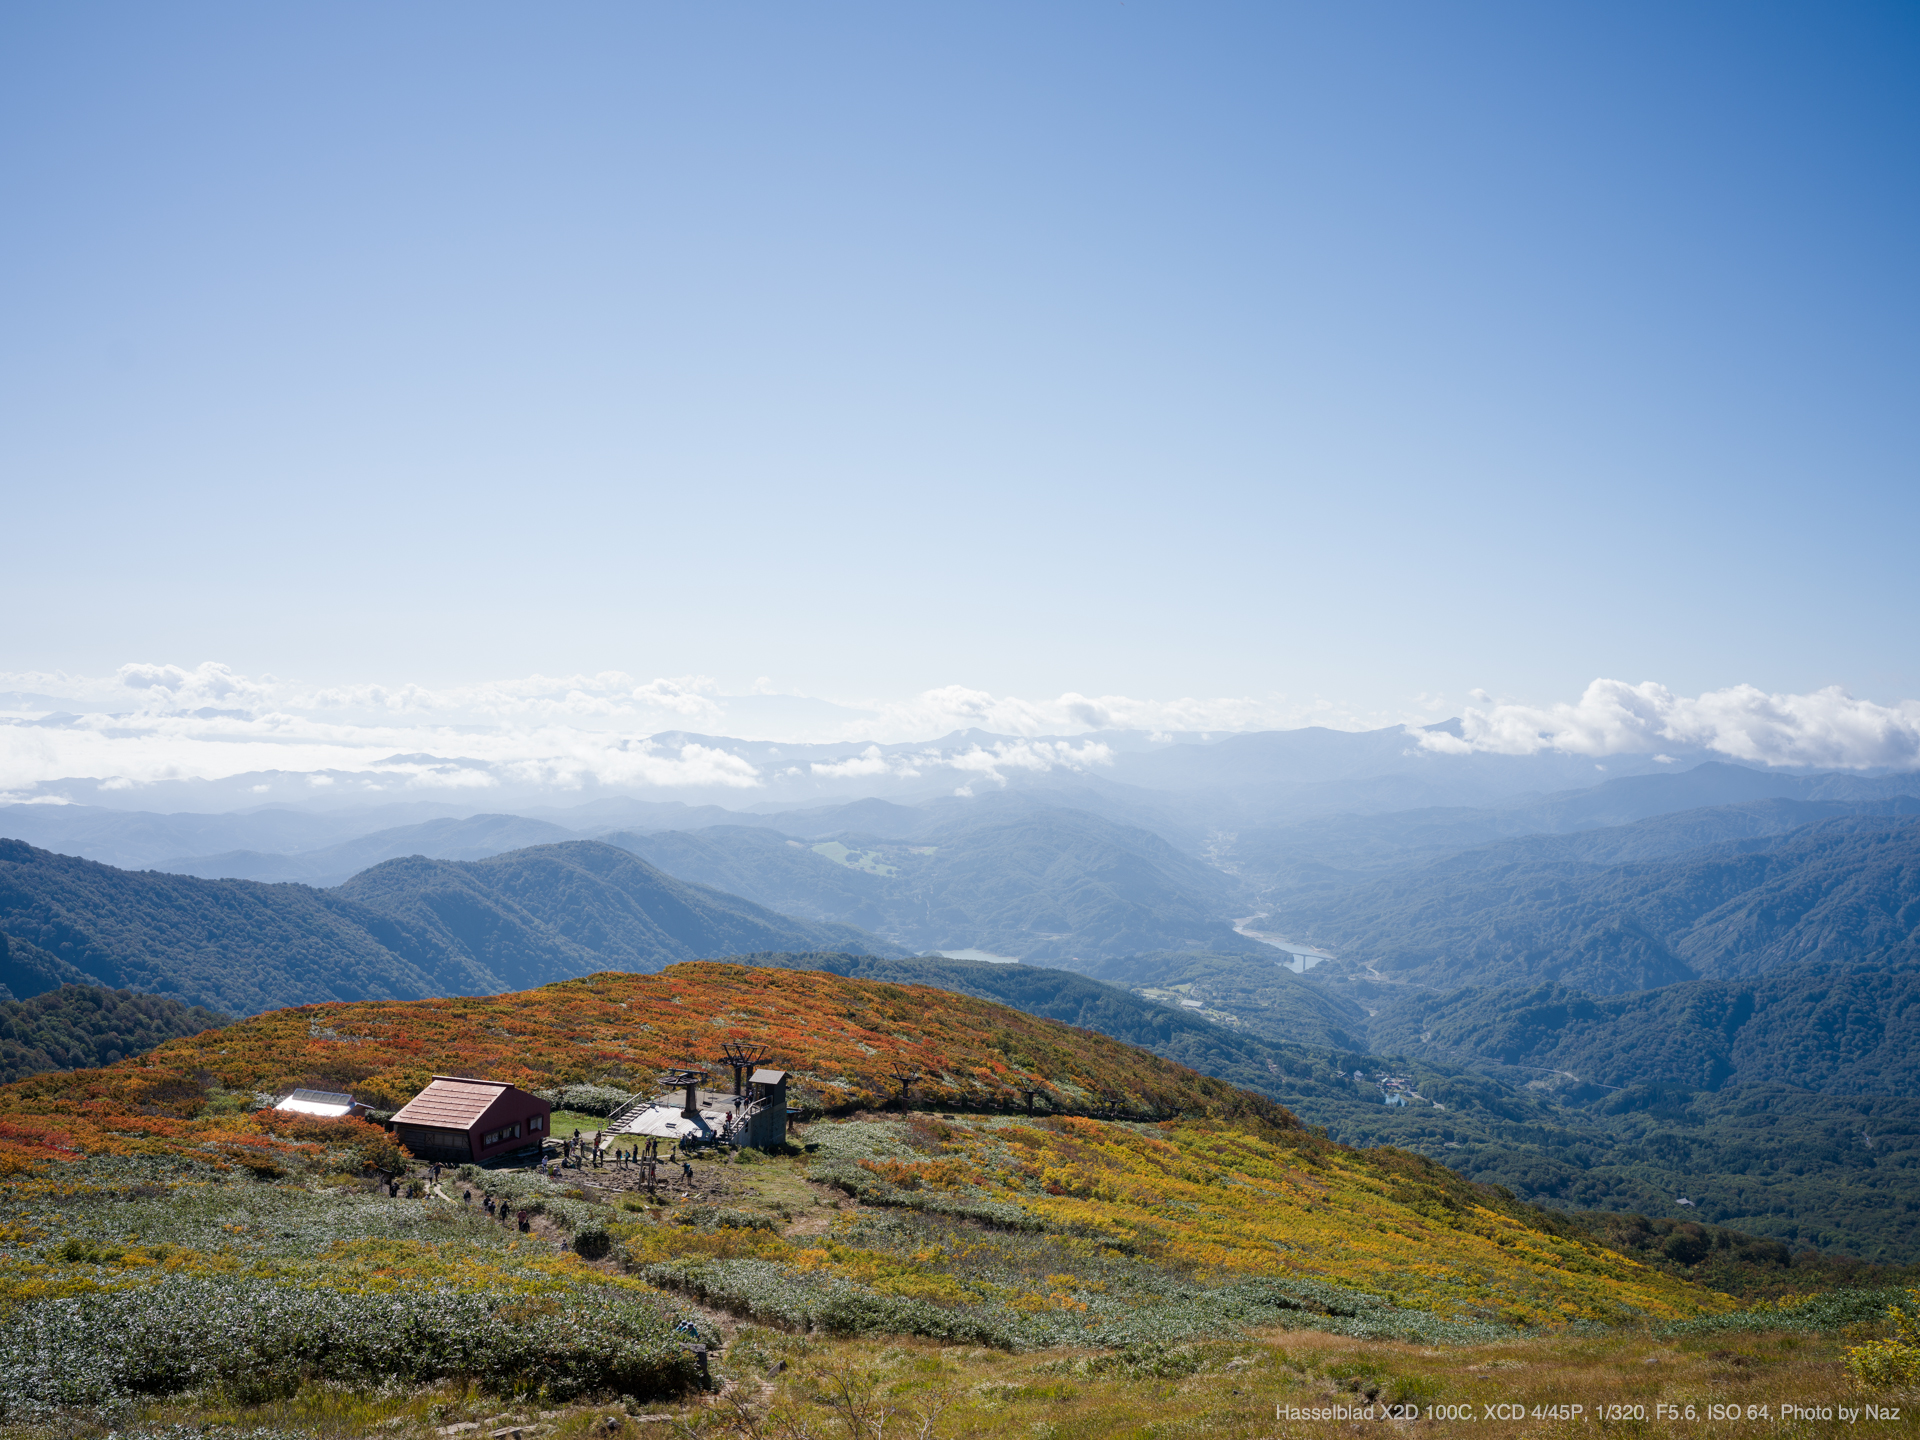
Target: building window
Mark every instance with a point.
(534, 1124)
(516, 1132)
(491, 1139)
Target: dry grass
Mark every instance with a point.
(788, 1387)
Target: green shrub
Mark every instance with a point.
(1892, 1363)
(256, 1339)
(587, 1099)
(710, 1217)
(1414, 1390)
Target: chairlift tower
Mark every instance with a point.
(905, 1079)
(689, 1080)
(744, 1058)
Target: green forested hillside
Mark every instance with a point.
(1526, 911)
(1046, 885)
(79, 1027)
(561, 910)
(405, 930)
(26, 970)
(1835, 1028)
(230, 944)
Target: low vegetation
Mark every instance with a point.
(1184, 1258)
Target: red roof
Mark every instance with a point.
(450, 1104)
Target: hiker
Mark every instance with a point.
(487, 1205)
(466, 1198)
(526, 1221)
(686, 1169)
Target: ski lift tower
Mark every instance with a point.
(688, 1080)
(905, 1079)
(744, 1058)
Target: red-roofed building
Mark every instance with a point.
(460, 1119)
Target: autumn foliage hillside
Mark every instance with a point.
(838, 1038)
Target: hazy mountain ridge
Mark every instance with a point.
(1045, 885)
(473, 838)
(1725, 801)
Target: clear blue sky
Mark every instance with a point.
(1349, 349)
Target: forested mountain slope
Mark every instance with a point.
(572, 907)
(1840, 1029)
(406, 929)
(81, 1026)
(1526, 911)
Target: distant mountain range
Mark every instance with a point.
(1048, 885)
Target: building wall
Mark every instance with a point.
(430, 1143)
(516, 1121)
(767, 1127)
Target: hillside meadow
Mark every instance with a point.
(1174, 1257)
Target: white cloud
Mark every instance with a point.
(1030, 755)
(1829, 728)
(148, 722)
(871, 761)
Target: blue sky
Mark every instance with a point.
(1361, 355)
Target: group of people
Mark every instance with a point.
(503, 1211)
(579, 1152)
(576, 1152)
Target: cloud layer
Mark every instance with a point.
(1828, 729)
(150, 723)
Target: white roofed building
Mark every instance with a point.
(329, 1103)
